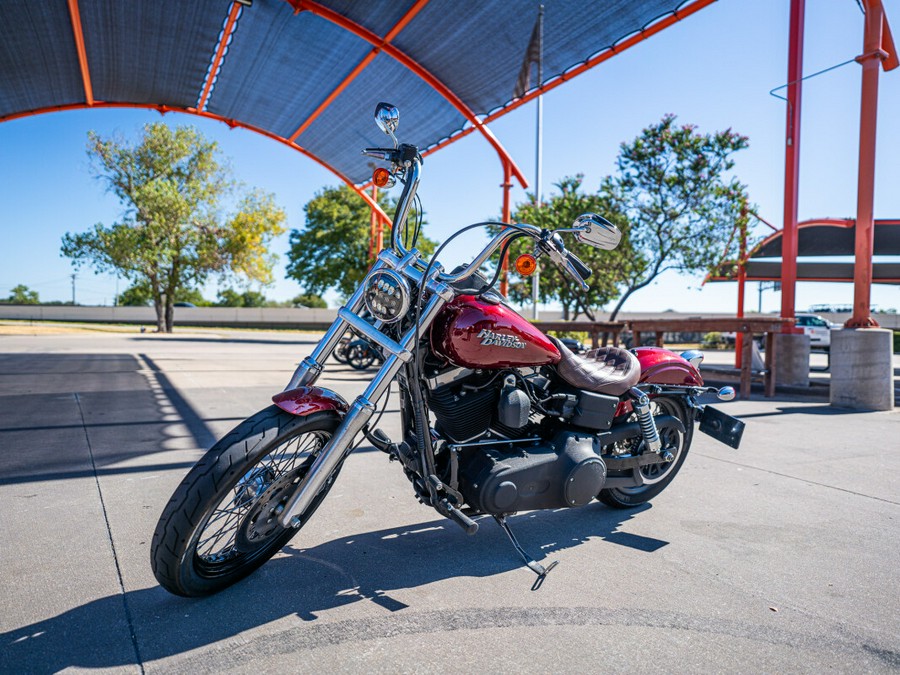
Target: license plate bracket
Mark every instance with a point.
(722, 426)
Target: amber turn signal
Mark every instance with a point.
(526, 264)
(381, 177)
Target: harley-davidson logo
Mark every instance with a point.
(491, 339)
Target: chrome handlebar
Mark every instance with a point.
(552, 245)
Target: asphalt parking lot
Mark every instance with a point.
(780, 557)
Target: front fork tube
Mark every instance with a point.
(360, 413)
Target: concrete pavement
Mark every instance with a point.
(779, 557)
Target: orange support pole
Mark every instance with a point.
(864, 248)
(379, 226)
(504, 263)
(742, 281)
(792, 164)
(373, 222)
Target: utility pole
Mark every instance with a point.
(536, 278)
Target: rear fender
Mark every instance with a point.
(304, 401)
(661, 366)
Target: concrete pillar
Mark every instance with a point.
(792, 359)
(862, 371)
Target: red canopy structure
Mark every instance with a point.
(299, 71)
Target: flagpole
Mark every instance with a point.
(539, 143)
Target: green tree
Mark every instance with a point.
(309, 300)
(672, 186)
(136, 295)
(172, 235)
(332, 250)
(608, 267)
(140, 295)
(228, 297)
(22, 295)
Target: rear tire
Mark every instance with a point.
(221, 523)
(657, 476)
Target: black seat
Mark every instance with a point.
(608, 370)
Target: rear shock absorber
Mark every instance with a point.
(645, 419)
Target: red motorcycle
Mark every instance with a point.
(496, 416)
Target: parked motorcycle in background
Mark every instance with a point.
(496, 417)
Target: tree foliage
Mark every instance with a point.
(140, 295)
(228, 297)
(172, 235)
(332, 250)
(673, 188)
(309, 300)
(22, 295)
(608, 267)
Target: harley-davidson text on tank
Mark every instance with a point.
(491, 339)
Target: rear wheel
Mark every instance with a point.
(360, 355)
(656, 477)
(222, 521)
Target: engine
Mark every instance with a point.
(516, 442)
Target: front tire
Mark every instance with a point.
(657, 477)
(221, 523)
(360, 355)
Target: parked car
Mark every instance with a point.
(818, 329)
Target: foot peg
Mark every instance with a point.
(532, 564)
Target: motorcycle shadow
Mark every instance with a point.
(303, 582)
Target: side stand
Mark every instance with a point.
(533, 565)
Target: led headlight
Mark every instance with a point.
(387, 295)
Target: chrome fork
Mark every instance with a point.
(362, 409)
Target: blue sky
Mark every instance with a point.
(715, 70)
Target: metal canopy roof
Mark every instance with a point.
(821, 238)
(301, 72)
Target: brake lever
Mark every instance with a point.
(554, 247)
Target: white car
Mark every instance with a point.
(818, 329)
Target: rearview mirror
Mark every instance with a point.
(387, 117)
(597, 231)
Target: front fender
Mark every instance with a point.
(304, 401)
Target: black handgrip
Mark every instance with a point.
(583, 270)
(458, 517)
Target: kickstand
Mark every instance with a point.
(533, 565)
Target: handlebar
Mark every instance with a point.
(408, 157)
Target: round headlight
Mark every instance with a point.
(387, 295)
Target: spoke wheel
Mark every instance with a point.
(360, 355)
(656, 477)
(222, 522)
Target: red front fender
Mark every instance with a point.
(304, 401)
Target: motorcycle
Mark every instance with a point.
(496, 417)
(361, 354)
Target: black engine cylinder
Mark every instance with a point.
(565, 473)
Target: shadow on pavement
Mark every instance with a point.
(224, 340)
(803, 410)
(305, 582)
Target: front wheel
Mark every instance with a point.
(360, 354)
(221, 523)
(656, 477)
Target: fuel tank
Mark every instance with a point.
(475, 334)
